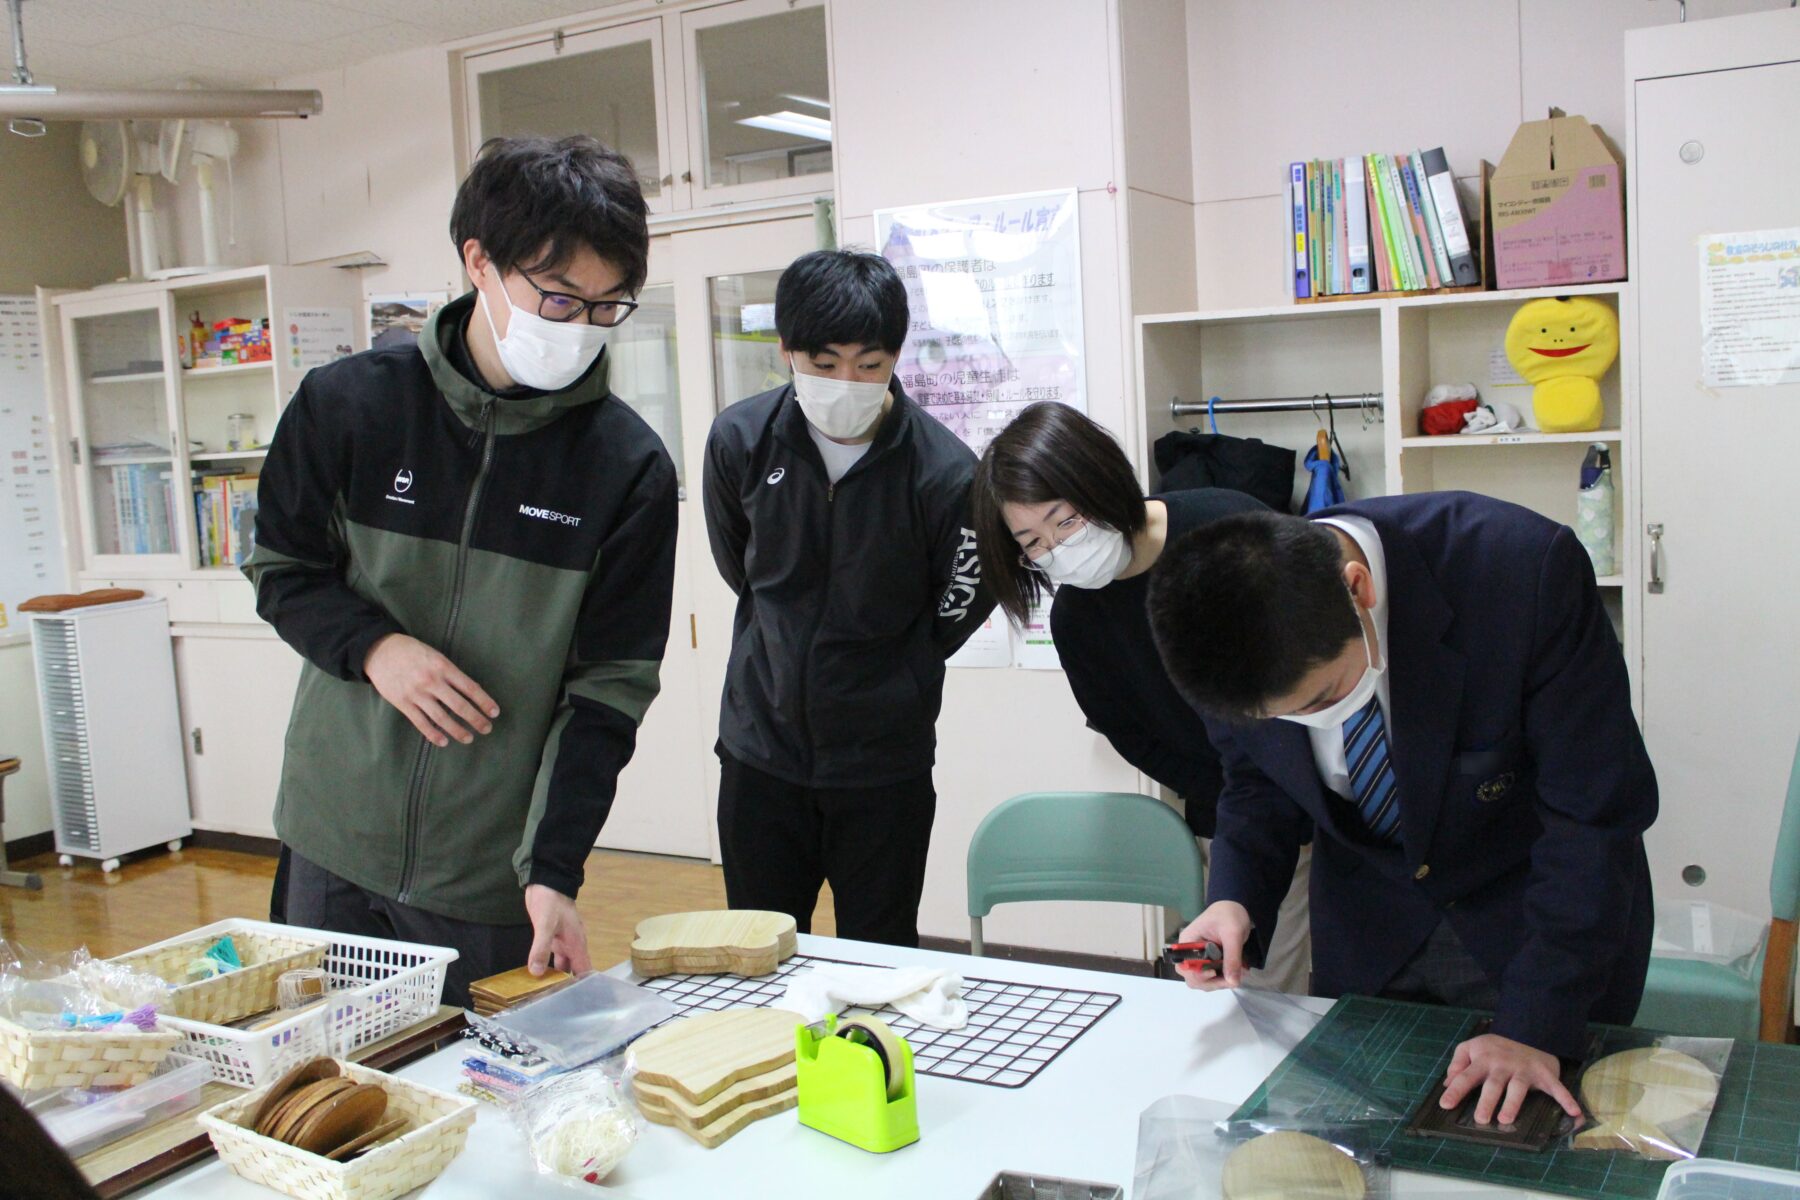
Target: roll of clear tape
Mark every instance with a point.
(874, 1033)
(300, 987)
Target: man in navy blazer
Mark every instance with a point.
(1431, 683)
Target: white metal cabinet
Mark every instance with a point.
(1713, 152)
(237, 693)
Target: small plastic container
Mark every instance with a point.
(82, 1128)
(1018, 1185)
(1716, 1179)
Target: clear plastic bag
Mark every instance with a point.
(1191, 1149)
(75, 990)
(1653, 1100)
(1311, 1084)
(589, 1019)
(1709, 933)
(579, 1126)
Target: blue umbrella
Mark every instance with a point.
(1324, 490)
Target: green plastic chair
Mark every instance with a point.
(1116, 846)
(1710, 1000)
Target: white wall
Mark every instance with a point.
(1020, 101)
(1457, 73)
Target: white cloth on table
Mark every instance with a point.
(929, 995)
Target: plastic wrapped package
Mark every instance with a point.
(589, 1019)
(1312, 1071)
(74, 990)
(1653, 1100)
(83, 1120)
(1191, 1149)
(1710, 933)
(579, 1126)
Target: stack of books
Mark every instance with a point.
(225, 517)
(1379, 223)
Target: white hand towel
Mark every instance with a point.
(929, 995)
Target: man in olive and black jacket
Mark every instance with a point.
(472, 542)
(838, 512)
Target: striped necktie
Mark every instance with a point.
(1371, 771)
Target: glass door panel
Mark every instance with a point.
(761, 99)
(607, 83)
(644, 369)
(121, 380)
(746, 350)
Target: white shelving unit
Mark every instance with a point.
(1398, 348)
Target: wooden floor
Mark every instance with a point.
(161, 894)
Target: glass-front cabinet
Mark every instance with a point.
(715, 105)
(173, 390)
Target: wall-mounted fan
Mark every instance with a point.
(118, 164)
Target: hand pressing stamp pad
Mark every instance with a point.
(1540, 1122)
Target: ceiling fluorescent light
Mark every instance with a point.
(812, 100)
(802, 124)
(53, 104)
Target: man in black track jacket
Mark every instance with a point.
(472, 543)
(837, 511)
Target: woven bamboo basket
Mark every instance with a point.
(235, 994)
(54, 1058)
(440, 1127)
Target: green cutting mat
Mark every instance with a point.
(1393, 1053)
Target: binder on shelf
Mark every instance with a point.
(1356, 224)
(1433, 228)
(1416, 215)
(1328, 196)
(1378, 250)
(1464, 272)
(1297, 205)
(1314, 242)
(1342, 229)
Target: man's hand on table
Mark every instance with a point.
(429, 690)
(558, 938)
(1228, 923)
(1506, 1071)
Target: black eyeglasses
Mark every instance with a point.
(562, 307)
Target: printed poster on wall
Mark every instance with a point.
(399, 316)
(312, 337)
(1750, 308)
(31, 561)
(994, 287)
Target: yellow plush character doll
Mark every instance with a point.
(1563, 347)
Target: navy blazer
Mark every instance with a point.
(1524, 785)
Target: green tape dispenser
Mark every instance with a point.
(856, 1083)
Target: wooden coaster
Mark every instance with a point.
(716, 1132)
(368, 1141)
(747, 942)
(702, 1055)
(340, 1118)
(503, 991)
(1635, 1094)
(307, 1072)
(289, 1115)
(1291, 1166)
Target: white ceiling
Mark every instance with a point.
(161, 43)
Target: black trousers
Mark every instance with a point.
(780, 842)
(318, 899)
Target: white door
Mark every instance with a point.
(1721, 710)
(233, 729)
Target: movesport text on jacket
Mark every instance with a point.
(532, 541)
(850, 596)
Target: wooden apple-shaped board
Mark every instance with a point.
(745, 942)
(1636, 1095)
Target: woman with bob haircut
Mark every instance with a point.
(1057, 508)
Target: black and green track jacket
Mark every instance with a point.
(531, 539)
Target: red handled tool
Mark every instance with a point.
(1208, 954)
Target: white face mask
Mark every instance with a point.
(838, 408)
(1091, 557)
(1343, 710)
(546, 355)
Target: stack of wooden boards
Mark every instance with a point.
(316, 1109)
(745, 942)
(711, 1074)
(509, 989)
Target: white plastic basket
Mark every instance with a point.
(378, 988)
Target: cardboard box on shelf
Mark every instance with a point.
(1557, 206)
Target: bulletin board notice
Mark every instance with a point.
(994, 288)
(31, 561)
(1750, 308)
